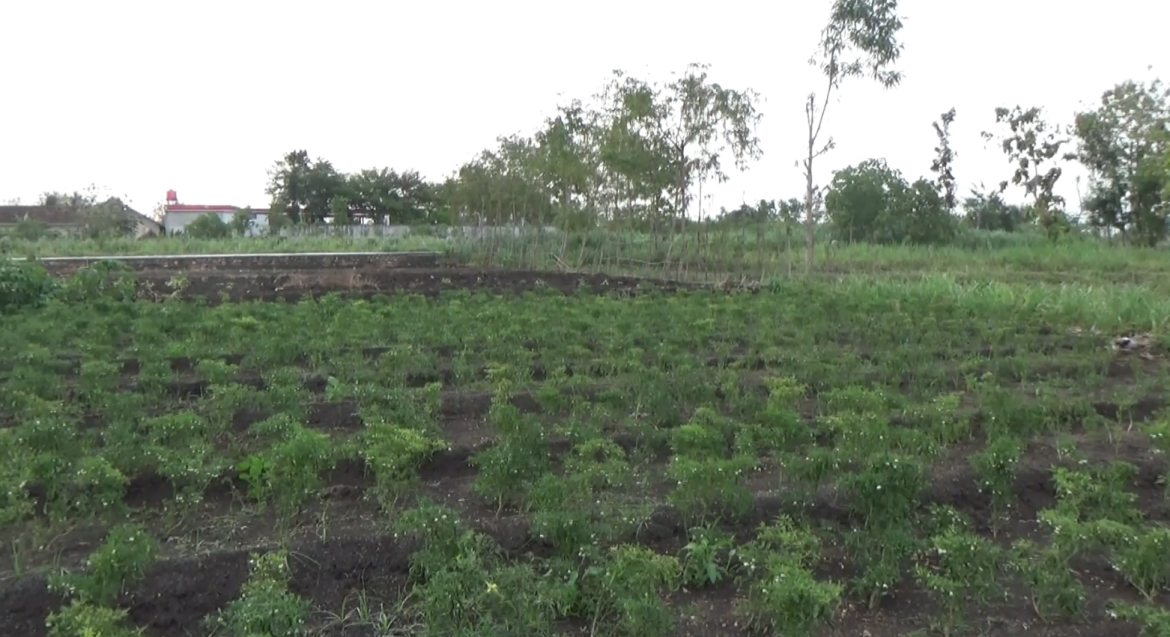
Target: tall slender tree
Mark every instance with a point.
(944, 161)
(861, 40)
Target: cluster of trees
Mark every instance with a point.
(639, 153)
(1124, 141)
(1125, 144)
(309, 190)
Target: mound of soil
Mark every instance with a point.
(294, 285)
(62, 266)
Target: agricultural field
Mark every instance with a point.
(852, 456)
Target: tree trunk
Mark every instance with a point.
(810, 226)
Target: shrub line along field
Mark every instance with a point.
(815, 457)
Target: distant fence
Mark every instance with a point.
(390, 231)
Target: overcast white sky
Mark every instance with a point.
(138, 97)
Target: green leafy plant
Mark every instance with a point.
(518, 458)
(265, 608)
(289, 472)
(996, 468)
(886, 490)
(85, 619)
(1055, 591)
(705, 478)
(1153, 621)
(441, 533)
(180, 447)
(707, 556)
(393, 454)
(957, 569)
(1098, 493)
(782, 596)
(880, 553)
(93, 488)
(24, 285)
(1142, 556)
(122, 559)
(621, 592)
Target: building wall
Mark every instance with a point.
(175, 222)
(147, 228)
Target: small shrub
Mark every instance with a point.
(1055, 589)
(1143, 559)
(706, 557)
(622, 593)
(958, 569)
(265, 608)
(24, 285)
(122, 559)
(84, 619)
(782, 595)
(208, 226)
(996, 468)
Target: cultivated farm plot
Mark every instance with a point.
(813, 458)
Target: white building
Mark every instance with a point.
(177, 216)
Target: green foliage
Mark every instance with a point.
(208, 226)
(1055, 590)
(518, 458)
(621, 593)
(102, 283)
(31, 230)
(108, 219)
(783, 596)
(1154, 621)
(1142, 556)
(85, 619)
(705, 477)
(943, 164)
(886, 490)
(1097, 493)
(706, 557)
(179, 447)
(986, 210)
(87, 487)
(265, 607)
(689, 391)
(242, 222)
(996, 468)
(634, 156)
(579, 508)
(393, 454)
(861, 39)
(1123, 143)
(307, 191)
(288, 473)
(24, 285)
(1031, 143)
(873, 203)
(958, 569)
(121, 560)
